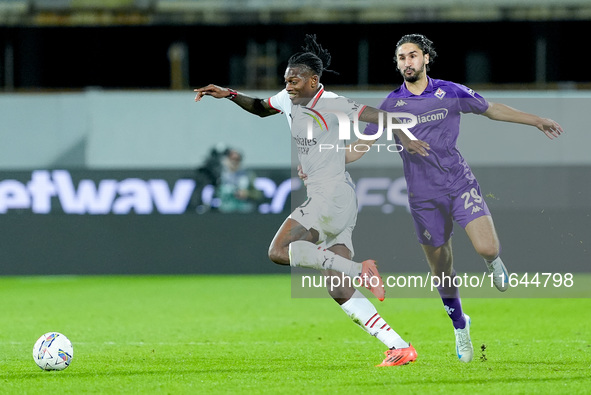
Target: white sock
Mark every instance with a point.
(489, 264)
(364, 314)
(491, 261)
(305, 254)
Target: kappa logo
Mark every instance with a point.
(476, 209)
(440, 93)
(400, 103)
(449, 310)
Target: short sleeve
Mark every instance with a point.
(280, 101)
(349, 106)
(470, 101)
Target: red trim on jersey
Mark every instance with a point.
(320, 92)
(271, 105)
(360, 111)
(319, 115)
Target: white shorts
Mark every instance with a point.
(332, 213)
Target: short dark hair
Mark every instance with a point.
(313, 56)
(420, 41)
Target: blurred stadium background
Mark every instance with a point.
(103, 151)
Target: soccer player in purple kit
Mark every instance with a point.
(441, 186)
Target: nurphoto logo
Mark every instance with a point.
(393, 121)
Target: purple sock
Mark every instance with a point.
(450, 296)
(453, 306)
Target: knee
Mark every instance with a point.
(488, 251)
(278, 255)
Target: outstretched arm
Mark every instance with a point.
(253, 105)
(502, 112)
(352, 153)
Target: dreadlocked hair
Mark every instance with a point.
(314, 57)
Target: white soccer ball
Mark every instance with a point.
(53, 351)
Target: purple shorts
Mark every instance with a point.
(434, 218)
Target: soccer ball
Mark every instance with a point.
(53, 351)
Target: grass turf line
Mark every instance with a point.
(245, 334)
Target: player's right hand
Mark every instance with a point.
(550, 128)
(211, 90)
(417, 147)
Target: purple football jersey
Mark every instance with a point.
(438, 110)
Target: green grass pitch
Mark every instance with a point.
(246, 334)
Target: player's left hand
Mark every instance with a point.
(550, 128)
(414, 146)
(303, 176)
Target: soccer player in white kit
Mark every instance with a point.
(318, 233)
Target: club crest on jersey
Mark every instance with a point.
(440, 93)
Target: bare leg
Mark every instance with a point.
(360, 309)
(344, 292)
(483, 236)
(440, 259)
(289, 231)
